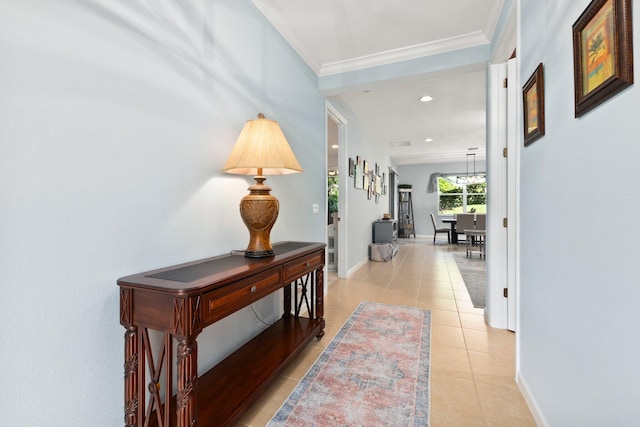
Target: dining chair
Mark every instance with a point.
(476, 238)
(437, 229)
(481, 221)
(464, 222)
(481, 225)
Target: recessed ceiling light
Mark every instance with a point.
(428, 140)
(425, 98)
(334, 146)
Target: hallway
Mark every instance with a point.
(472, 365)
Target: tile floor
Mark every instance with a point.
(472, 365)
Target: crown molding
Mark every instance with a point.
(281, 25)
(493, 13)
(463, 41)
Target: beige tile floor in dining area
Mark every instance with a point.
(472, 365)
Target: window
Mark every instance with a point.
(332, 197)
(454, 198)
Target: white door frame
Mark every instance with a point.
(502, 189)
(496, 307)
(513, 183)
(343, 174)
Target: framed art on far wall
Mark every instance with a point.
(533, 106)
(602, 53)
(358, 176)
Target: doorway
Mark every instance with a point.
(333, 195)
(392, 193)
(336, 137)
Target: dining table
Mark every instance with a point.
(454, 235)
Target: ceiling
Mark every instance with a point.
(338, 36)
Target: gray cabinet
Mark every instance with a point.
(386, 231)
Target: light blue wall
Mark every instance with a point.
(116, 118)
(579, 282)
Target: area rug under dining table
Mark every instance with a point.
(375, 372)
(474, 274)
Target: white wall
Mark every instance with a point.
(116, 118)
(579, 282)
(423, 202)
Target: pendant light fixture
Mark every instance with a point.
(471, 179)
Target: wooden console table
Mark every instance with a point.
(181, 301)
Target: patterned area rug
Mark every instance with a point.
(375, 372)
(474, 274)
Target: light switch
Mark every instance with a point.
(316, 209)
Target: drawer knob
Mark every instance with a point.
(308, 264)
(253, 288)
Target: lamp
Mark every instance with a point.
(261, 149)
(471, 179)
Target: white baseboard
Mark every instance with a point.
(357, 266)
(531, 402)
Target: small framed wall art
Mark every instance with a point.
(533, 106)
(358, 176)
(602, 53)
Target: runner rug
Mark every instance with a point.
(375, 372)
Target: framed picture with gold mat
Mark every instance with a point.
(533, 106)
(602, 53)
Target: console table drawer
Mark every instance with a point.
(300, 267)
(231, 298)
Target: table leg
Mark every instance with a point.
(454, 235)
(287, 300)
(131, 371)
(320, 300)
(186, 402)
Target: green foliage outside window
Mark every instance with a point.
(451, 197)
(332, 196)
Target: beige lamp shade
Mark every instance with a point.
(262, 145)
